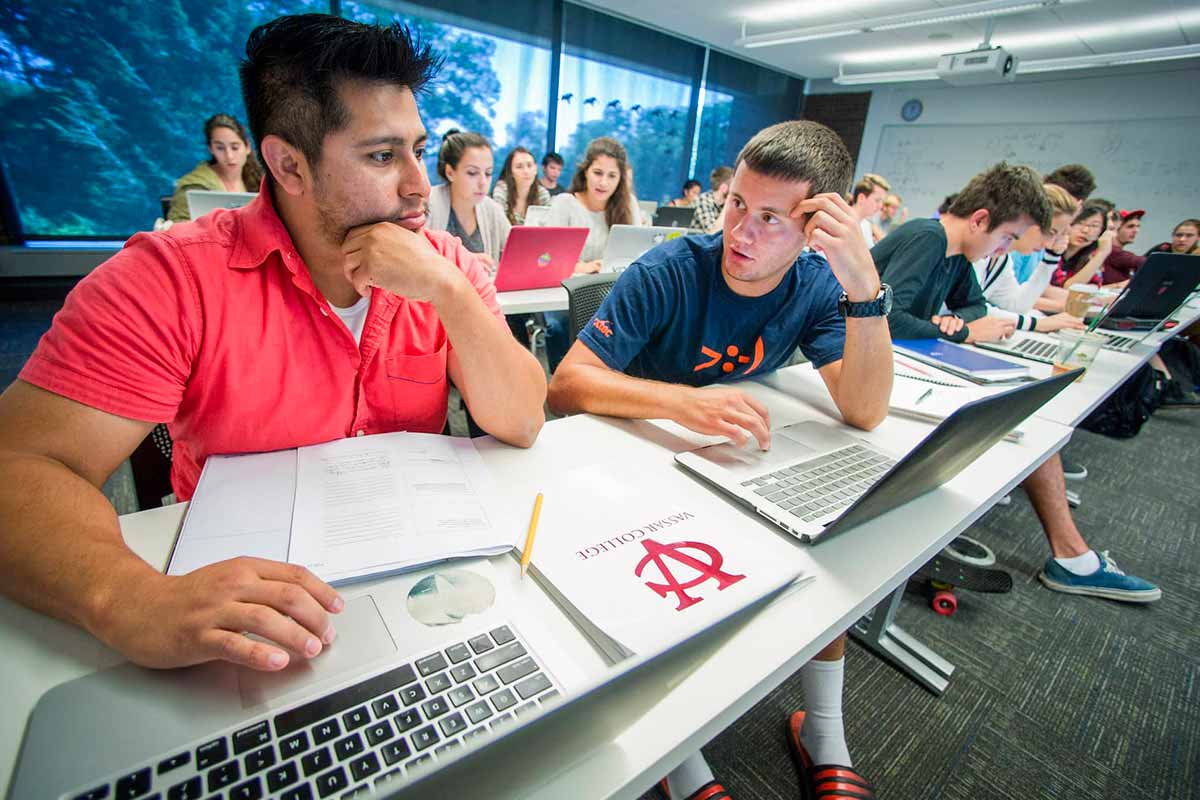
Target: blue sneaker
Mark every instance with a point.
(1108, 581)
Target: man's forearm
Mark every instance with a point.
(864, 386)
(586, 388)
(503, 384)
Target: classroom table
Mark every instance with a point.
(531, 301)
(621, 741)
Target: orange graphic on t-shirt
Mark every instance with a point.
(602, 326)
(735, 357)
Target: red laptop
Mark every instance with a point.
(538, 258)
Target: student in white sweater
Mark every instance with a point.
(461, 205)
(1009, 299)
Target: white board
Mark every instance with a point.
(1152, 163)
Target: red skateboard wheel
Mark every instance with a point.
(944, 603)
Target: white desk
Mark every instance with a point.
(668, 709)
(531, 301)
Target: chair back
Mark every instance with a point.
(584, 295)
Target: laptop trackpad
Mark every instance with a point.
(788, 445)
(362, 639)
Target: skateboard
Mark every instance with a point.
(964, 564)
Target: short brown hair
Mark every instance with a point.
(1006, 192)
(869, 183)
(719, 175)
(1075, 178)
(800, 150)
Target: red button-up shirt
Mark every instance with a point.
(216, 328)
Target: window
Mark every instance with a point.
(740, 99)
(97, 125)
(495, 79)
(644, 103)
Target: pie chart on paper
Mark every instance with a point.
(447, 597)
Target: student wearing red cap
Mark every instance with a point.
(1121, 263)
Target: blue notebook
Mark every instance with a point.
(959, 360)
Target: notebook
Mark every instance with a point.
(960, 360)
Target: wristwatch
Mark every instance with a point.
(881, 306)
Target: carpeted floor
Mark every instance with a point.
(1055, 696)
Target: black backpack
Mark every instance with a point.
(1122, 415)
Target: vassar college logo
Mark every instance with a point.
(711, 569)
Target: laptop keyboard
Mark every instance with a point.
(371, 735)
(1035, 348)
(822, 486)
(1122, 344)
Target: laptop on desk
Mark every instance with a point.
(628, 243)
(201, 201)
(538, 258)
(1041, 347)
(817, 481)
(1154, 293)
(674, 217)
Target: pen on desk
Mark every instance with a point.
(924, 396)
(527, 553)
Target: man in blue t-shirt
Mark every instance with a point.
(712, 309)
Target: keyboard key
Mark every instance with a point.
(357, 791)
(775, 498)
(462, 673)
(318, 710)
(134, 785)
(438, 683)
(503, 635)
(532, 686)
(475, 733)
(352, 745)
(332, 781)
(260, 759)
(431, 664)
(356, 719)
(316, 761)
(191, 789)
(549, 698)
(174, 762)
(489, 661)
(435, 708)
(481, 644)
(457, 653)
(364, 766)
(447, 747)
(301, 792)
(222, 776)
(395, 751)
(500, 720)
(99, 793)
(503, 699)
(461, 695)
(477, 712)
(412, 694)
(386, 778)
(329, 729)
(282, 776)
(487, 683)
(516, 670)
(250, 790)
(765, 490)
(452, 725)
(424, 738)
(252, 737)
(418, 761)
(294, 745)
(385, 706)
(211, 753)
(528, 708)
(379, 732)
(407, 720)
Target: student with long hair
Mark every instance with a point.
(460, 205)
(518, 188)
(230, 167)
(599, 198)
(1089, 241)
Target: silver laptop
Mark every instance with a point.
(628, 243)
(537, 215)
(410, 684)
(818, 480)
(201, 201)
(1042, 347)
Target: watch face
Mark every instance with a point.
(911, 110)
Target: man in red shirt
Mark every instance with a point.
(323, 309)
(1121, 264)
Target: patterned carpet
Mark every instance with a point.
(1055, 696)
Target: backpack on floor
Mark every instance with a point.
(1122, 415)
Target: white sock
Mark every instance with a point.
(823, 734)
(1085, 564)
(689, 776)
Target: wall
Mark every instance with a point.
(1163, 92)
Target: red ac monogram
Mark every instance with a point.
(656, 552)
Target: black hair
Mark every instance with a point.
(1075, 178)
(295, 65)
(689, 184)
(552, 157)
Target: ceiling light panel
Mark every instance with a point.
(814, 9)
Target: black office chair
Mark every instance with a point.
(584, 295)
(151, 465)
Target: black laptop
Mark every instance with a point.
(1157, 289)
(673, 217)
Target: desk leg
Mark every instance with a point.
(878, 633)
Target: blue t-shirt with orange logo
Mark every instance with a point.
(672, 317)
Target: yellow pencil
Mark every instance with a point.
(527, 553)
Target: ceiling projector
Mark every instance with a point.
(985, 65)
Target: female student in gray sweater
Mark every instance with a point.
(461, 205)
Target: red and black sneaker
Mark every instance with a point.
(824, 781)
(709, 791)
